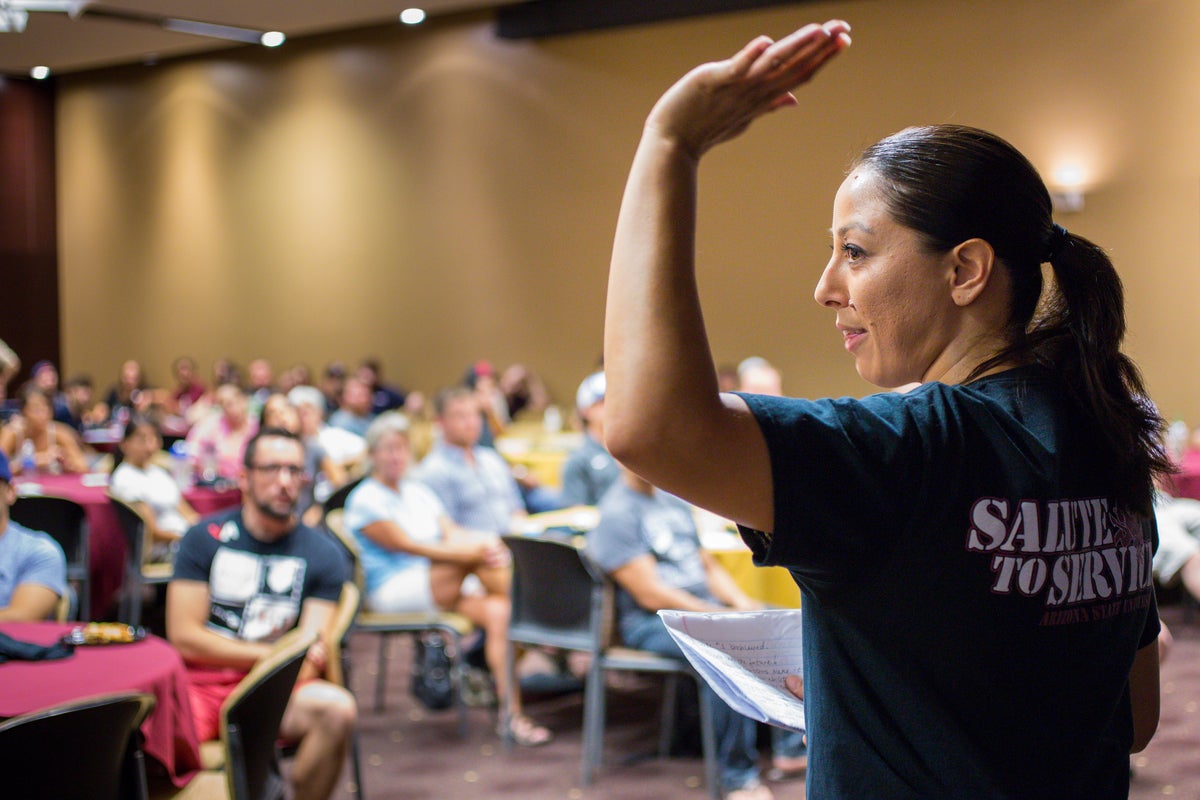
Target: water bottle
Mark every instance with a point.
(181, 466)
(1177, 439)
(552, 420)
(28, 457)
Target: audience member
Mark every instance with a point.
(188, 388)
(33, 569)
(345, 449)
(243, 579)
(82, 412)
(150, 489)
(384, 396)
(647, 541)
(756, 375)
(129, 395)
(589, 471)
(1177, 559)
(472, 481)
(279, 412)
(260, 384)
(36, 443)
(226, 370)
(354, 407)
(333, 379)
(10, 364)
(45, 377)
(415, 558)
(481, 378)
(524, 392)
(215, 444)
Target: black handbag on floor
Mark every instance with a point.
(431, 667)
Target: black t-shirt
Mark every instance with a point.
(973, 599)
(257, 588)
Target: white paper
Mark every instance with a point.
(745, 656)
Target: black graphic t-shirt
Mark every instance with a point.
(257, 588)
(972, 597)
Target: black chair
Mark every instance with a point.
(138, 572)
(250, 719)
(561, 599)
(88, 749)
(66, 521)
(337, 500)
(338, 672)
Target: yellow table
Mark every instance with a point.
(771, 585)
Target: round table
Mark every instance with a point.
(106, 542)
(1186, 482)
(151, 665)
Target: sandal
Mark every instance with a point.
(525, 732)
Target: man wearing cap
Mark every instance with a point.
(590, 470)
(33, 569)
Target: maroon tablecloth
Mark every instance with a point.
(1186, 483)
(151, 665)
(106, 542)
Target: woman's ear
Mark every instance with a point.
(973, 263)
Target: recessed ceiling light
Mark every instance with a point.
(272, 39)
(412, 16)
(39, 73)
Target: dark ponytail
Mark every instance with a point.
(951, 183)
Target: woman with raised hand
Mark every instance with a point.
(973, 553)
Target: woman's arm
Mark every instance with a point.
(69, 449)
(664, 417)
(1144, 696)
(391, 536)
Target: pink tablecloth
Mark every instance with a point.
(151, 666)
(1186, 483)
(106, 543)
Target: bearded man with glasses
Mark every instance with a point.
(244, 578)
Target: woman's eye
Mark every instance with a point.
(853, 252)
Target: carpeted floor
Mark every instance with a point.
(416, 755)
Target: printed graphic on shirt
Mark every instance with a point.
(255, 598)
(1087, 562)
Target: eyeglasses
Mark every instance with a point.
(273, 471)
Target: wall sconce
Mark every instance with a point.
(1066, 194)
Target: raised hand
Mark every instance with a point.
(717, 101)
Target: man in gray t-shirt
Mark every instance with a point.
(647, 541)
(33, 569)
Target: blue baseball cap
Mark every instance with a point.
(5, 470)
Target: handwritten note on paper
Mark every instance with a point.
(745, 656)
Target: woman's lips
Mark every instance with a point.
(852, 336)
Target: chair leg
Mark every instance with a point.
(593, 720)
(356, 764)
(708, 739)
(670, 702)
(458, 673)
(381, 674)
(510, 674)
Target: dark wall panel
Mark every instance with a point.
(28, 230)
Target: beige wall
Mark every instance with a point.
(433, 196)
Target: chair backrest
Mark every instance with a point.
(65, 521)
(559, 598)
(74, 750)
(335, 523)
(337, 500)
(133, 525)
(250, 719)
(343, 619)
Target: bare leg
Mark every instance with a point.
(1189, 573)
(445, 584)
(320, 716)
